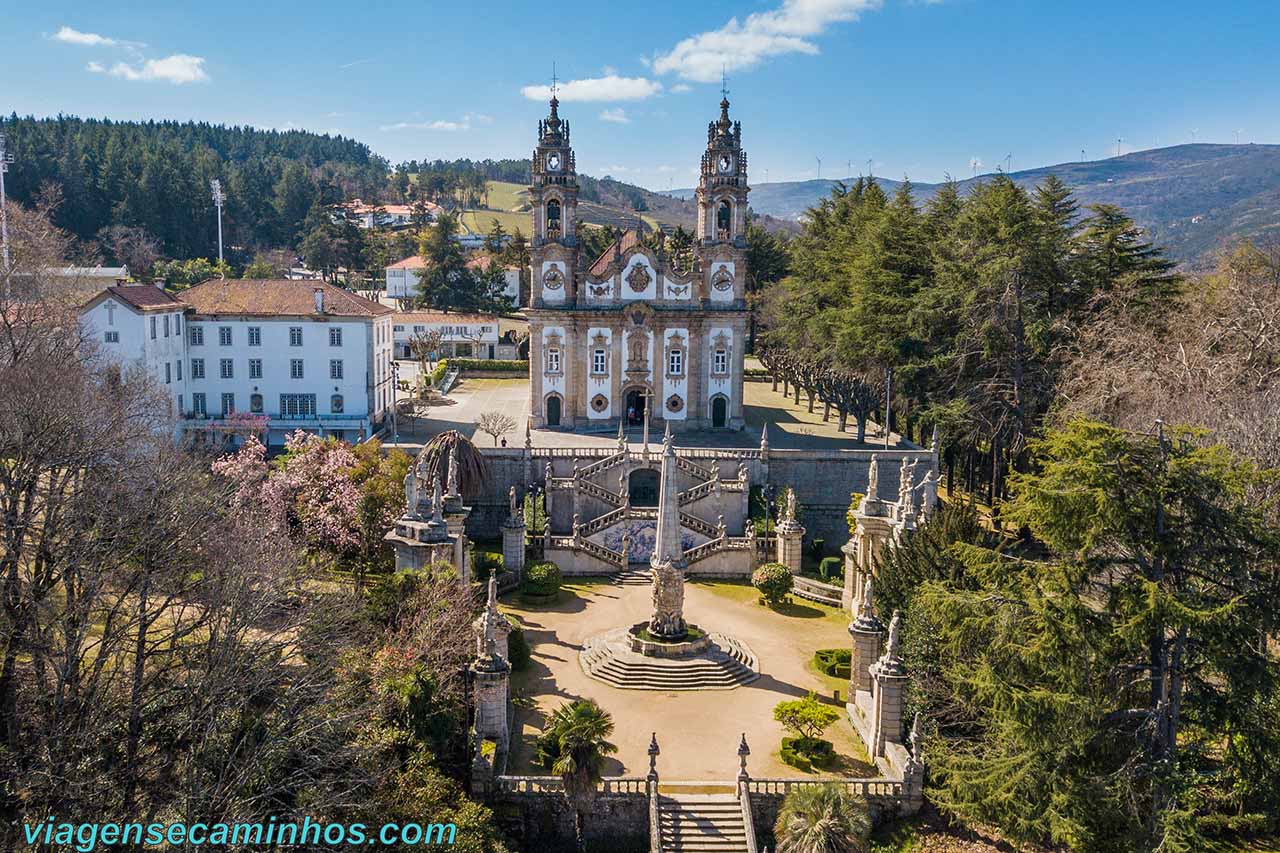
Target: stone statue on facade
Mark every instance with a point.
(411, 493)
(873, 478)
(511, 499)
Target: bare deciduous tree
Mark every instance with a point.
(495, 424)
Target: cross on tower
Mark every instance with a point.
(724, 83)
(554, 80)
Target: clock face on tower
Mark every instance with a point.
(725, 163)
(553, 161)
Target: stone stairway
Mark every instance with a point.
(726, 665)
(633, 577)
(701, 823)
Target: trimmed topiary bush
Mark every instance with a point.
(541, 581)
(807, 753)
(491, 364)
(831, 568)
(773, 581)
(833, 662)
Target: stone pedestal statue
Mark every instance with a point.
(790, 537)
(513, 530)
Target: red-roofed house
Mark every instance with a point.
(402, 276)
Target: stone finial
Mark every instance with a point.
(743, 752)
(891, 660)
(666, 439)
(873, 478)
(411, 492)
(720, 525)
(915, 737)
(453, 470)
(867, 612)
(528, 434)
(436, 501)
(654, 752)
(934, 444)
(764, 439)
(622, 436)
(744, 472)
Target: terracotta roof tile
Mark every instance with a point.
(628, 239)
(424, 317)
(144, 296)
(266, 297)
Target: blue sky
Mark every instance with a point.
(921, 88)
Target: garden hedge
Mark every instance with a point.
(807, 753)
(833, 662)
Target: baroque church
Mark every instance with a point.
(629, 336)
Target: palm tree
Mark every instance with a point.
(574, 744)
(472, 468)
(823, 819)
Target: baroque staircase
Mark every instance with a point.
(701, 823)
(726, 665)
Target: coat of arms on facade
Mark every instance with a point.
(677, 291)
(553, 279)
(639, 277)
(723, 279)
(600, 290)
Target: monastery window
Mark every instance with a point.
(335, 368)
(225, 369)
(255, 336)
(295, 368)
(177, 325)
(112, 337)
(178, 366)
(397, 328)
(168, 373)
(298, 405)
(335, 337)
(599, 360)
(720, 362)
(153, 328)
(197, 404)
(553, 360)
(197, 368)
(255, 368)
(166, 325)
(224, 336)
(295, 336)
(197, 335)
(228, 404)
(675, 362)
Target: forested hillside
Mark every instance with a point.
(156, 175)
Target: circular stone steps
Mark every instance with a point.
(727, 664)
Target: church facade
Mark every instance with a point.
(630, 336)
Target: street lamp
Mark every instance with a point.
(395, 384)
(5, 159)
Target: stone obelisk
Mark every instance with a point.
(667, 562)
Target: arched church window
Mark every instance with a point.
(553, 218)
(724, 221)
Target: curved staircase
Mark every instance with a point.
(726, 665)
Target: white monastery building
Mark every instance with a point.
(290, 354)
(402, 277)
(461, 335)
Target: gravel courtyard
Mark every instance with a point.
(698, 731)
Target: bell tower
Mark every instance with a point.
(722, 187)
(553, 192)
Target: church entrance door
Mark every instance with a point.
(719, 412)
(553, 411)
(635, 407)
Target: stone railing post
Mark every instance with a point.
(913, 773)
(890, 677)
(865, 632)
(513, 530)
(743, 776)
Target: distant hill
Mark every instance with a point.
(1190, 198)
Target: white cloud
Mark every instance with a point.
(440, 124)
(617, 115)
(71, 36)
(356, 62)
(177, 68)
(608, 88)
(740, 45)
(681, 88)
(975, 163)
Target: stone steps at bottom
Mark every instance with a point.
(703, 824)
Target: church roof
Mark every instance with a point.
(629, 238)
